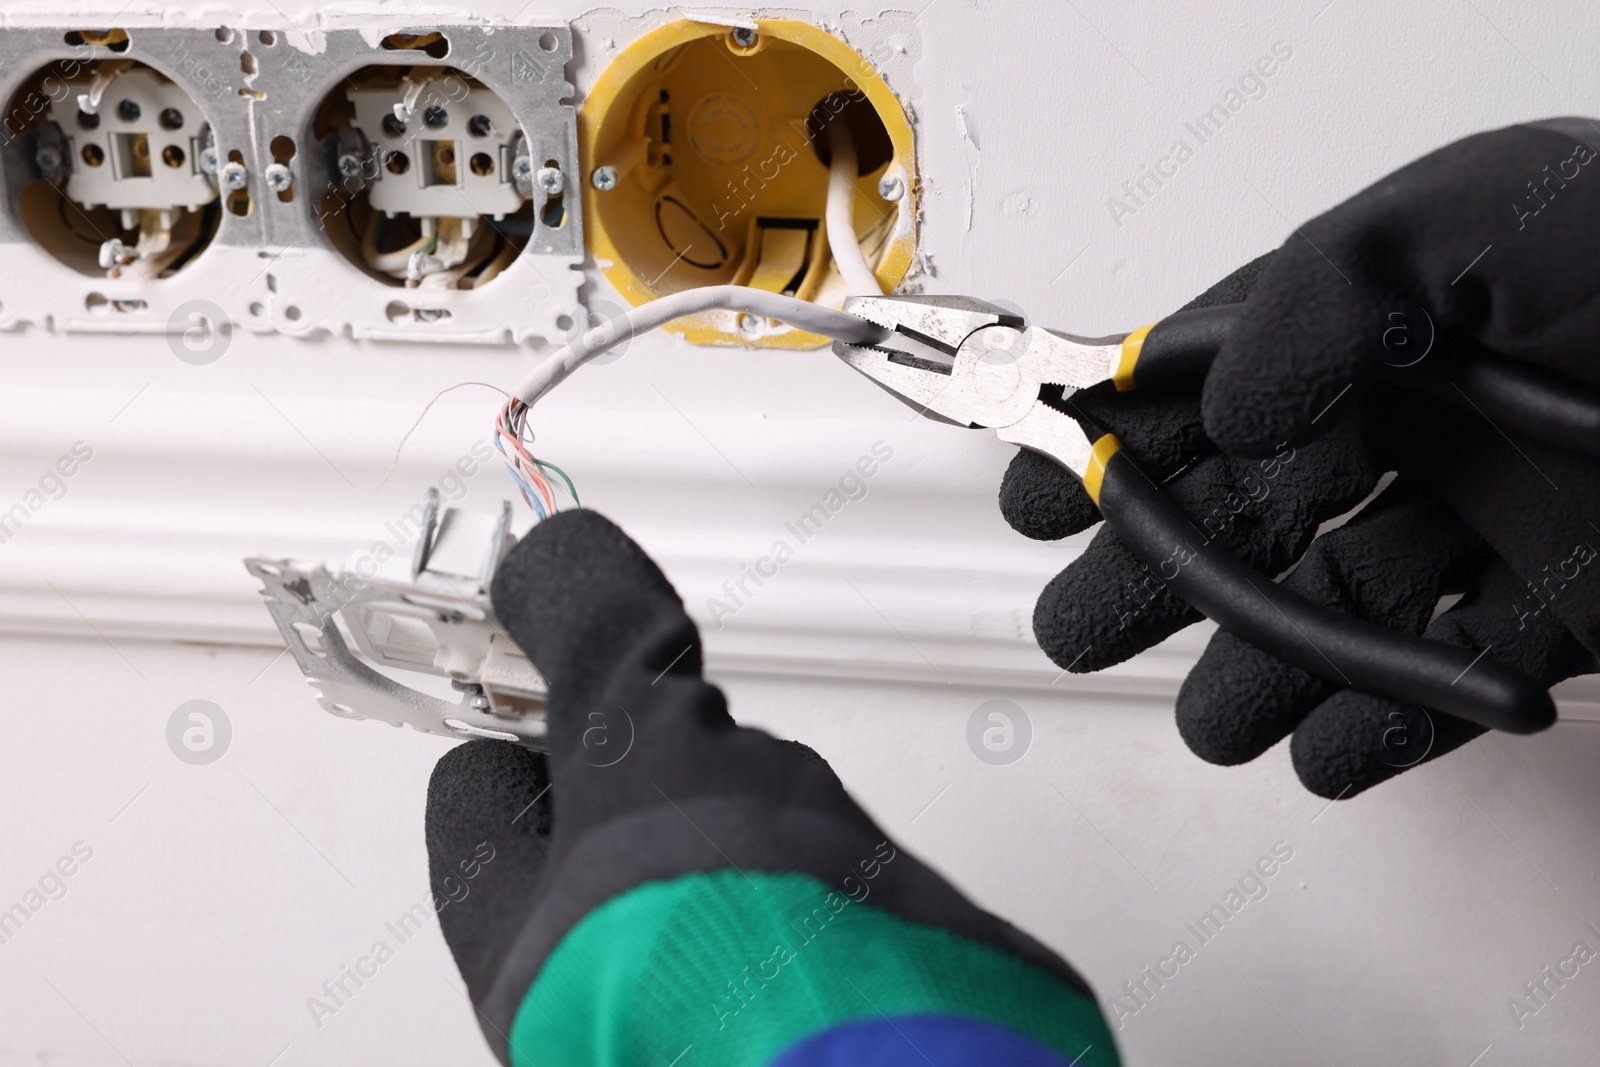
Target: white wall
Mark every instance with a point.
(221, 897)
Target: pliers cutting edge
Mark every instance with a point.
(972, 364)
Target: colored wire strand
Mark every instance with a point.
(511, 440)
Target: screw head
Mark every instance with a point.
(350, 165)
(604, 178)
(208, 160)
(891, 187)
(278, 177)
(744, 36)
(551, 180)
(522, 169)
(480, 702)
(233, 176)
(47, 158)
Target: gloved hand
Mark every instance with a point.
(1306, 431)
(671, 888)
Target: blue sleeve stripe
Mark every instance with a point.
(917, 1040)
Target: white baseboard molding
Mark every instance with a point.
(919, 581)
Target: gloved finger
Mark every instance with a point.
(1353, 741)
(488, 836)
(1318, 313)
(1297, 348)
(1107, 605)
(586, 605)
(630, 719)
(1389, 566)
(1045, 501)
(1042, 501)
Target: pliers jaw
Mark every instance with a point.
(943, 322)
(909, 379)
(973, 364)
(918, 363)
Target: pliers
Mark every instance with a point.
(975, 365)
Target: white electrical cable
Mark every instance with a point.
(842, 239)
(512, 438)
(839, 325)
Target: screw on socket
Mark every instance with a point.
(604, 178)
(233, 176)
(744, 36)
(891, 187)
(551, 180)
(279, 178)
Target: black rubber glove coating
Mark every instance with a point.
(645, 770)
(1492, 236)
(1517, 397)
(1107, 606)
(1178, 351)
(1043, 501)
(496, 793)
(1538, 507)
(1279, 620)
(1353, 740)
(1487, 240)
(1388, 566)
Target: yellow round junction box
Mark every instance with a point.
(706, 151)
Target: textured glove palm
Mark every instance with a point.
(1489, 248)
(669, 887)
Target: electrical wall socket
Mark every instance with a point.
(272, 249)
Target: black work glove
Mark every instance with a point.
(669, 887)
(1295, 387)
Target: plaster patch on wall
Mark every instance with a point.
(973, 159)
(1022, 203)
(722, 19)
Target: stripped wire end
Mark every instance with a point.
(513, 438)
